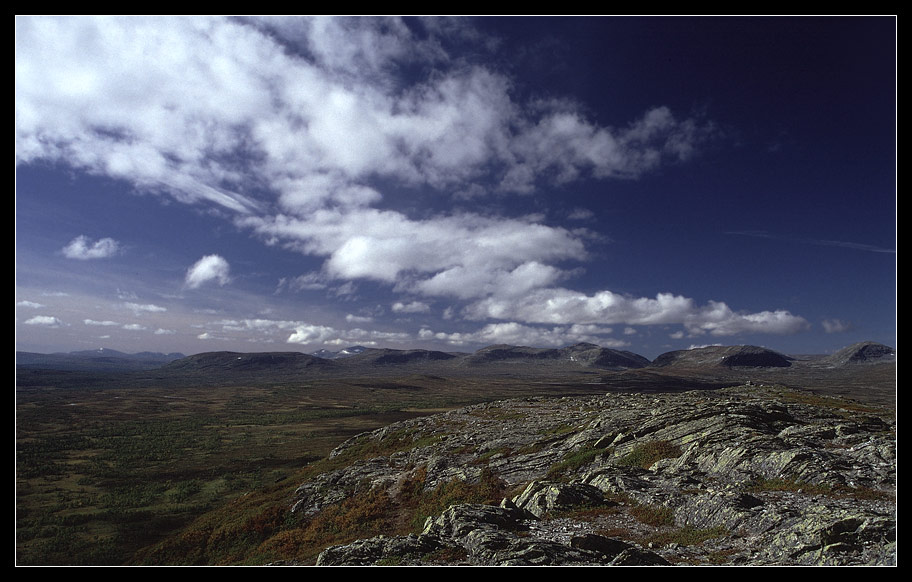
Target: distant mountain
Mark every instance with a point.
(220, 362)
(583, 354)
(100, 360)
(345, 353)
(862, 353)
(599, 357)
(387, 357)
(724, 356)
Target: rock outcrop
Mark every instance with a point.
(753, 475)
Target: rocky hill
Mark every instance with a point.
(862, 353)
(344, 353)
(582, 355)
(744, 475)
(240, 362)
(387, 357)
(724, 356)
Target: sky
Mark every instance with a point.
(197, 184)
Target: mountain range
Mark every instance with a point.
(581, 356)
(100, 360)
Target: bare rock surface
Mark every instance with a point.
(757, 475)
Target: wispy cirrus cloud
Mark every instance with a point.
(140, 308)
(812, 241)
(836, 325)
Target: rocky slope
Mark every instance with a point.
(757, 475)
(862, 353)
(724, 356)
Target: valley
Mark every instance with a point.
(112, 466)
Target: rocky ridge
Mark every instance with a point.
(757, 475)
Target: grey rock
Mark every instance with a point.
(759, 479)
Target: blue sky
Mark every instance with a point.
(290, 184)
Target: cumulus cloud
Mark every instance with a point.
(529, 335)
(209, 268)
(309, 113)
(461, 255)
(306, 333)
(29, 304)
(201, 108)
(45, 321)
(560, 306)
(81, 248)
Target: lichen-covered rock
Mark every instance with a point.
(541, 498)
(744, 475)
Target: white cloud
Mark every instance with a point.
(106, 323)
(172, 104)
(462, 255)
(209, 268)
(311, 112)
(29, 304)
(562, 306)
(312, 334)
(320, 334)
(45, 321)
(134, 327)
(411, 307)
(81, 248)
(519, 334)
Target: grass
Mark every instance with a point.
(654, 515)
(648, 453)
(259, 529)
(573, 461)
(686, 536)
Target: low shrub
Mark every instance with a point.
(648, 453)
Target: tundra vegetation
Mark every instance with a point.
(109, 465)
(202, 468)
